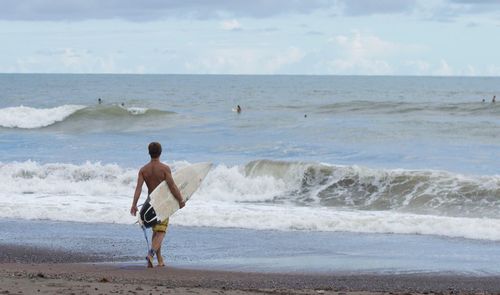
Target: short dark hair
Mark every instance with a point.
(154, 149)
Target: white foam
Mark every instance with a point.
(137, 110)
(230, 184)
(95, 192)
(272, 217)
(90, 192)
(28, 117)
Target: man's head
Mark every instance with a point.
(154, 150)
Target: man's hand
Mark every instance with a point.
(133, 210)
(182, 204)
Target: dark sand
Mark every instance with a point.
(27, 270)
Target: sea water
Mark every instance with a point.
(386, 155)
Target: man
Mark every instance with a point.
(153, 174)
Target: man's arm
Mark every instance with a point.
(173, 187)
(137, 194)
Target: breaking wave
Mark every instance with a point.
(31, 118)
(268, 194)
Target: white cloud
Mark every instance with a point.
(290, 56)
(367, 54)
(73, 59)
(366, 7)
(229, 61)
(419, 67)
(231, 25)
(367, 45)
(444, 69)
(360, 67)
(244, 61)
(69, 60)
(470, 71)
(492, 70)
(139, 11)
(26, 64)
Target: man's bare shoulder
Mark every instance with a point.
(145, 167)
(165, 167)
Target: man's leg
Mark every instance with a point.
(152, 251)
(156, 241)
(158, 251)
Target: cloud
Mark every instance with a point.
(418, 67)
(476, 2)
(367, 54)
(366, 7)
(314, 33)
(231, 25)
(492, 70)
(450, 10)
(244, 61)
(360, 45)
(71, 60)
(78, 10)
(444, 69)
(150, 10)
(290, 56)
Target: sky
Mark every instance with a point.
(307, 37)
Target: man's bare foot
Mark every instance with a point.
(149, 259)
(161, 263)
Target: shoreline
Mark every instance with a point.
(30, 275)
(249, 250)
(83, 278)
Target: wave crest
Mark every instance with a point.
(353, 187)
(31, 118)
(266, 194)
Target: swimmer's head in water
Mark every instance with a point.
(154, 150)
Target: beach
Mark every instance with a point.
(322, 184)
(27, 276)
(74, 264)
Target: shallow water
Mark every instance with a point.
(265, 251)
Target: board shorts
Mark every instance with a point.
(161, 227)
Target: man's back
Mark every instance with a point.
(154, 173)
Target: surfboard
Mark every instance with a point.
(163, 204)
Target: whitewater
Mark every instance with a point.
(267, 195)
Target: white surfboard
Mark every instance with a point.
(188, 179)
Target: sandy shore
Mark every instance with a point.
(26, 270)
(19, 278)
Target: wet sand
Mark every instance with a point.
(26, 270)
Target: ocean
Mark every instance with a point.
(308, 154)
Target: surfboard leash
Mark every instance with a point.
(139, 221)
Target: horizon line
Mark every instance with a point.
(228, 74)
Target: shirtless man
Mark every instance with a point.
(153, 174)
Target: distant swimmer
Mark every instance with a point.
(238, 109)
(494, 98)
(305, 115)
(123, 104)
(99, 100)
(484, 100)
